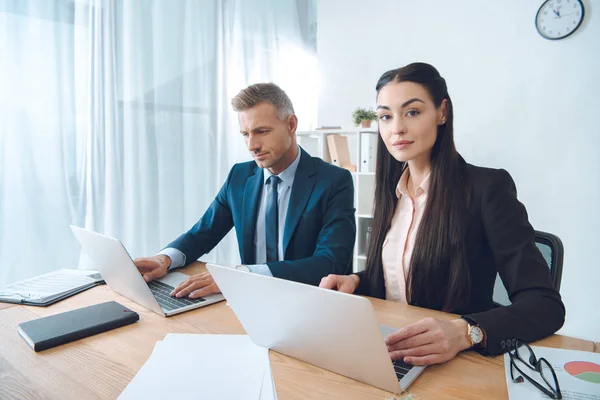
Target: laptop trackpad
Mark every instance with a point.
(386, 330)
(174, 278)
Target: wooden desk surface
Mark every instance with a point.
(101, 366)
(6, 305)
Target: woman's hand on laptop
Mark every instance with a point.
(195, 286)
(341, 283)
(428, 341)
(153, 267)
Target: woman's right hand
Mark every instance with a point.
(341, 283)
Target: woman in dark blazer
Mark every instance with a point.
(442, 229)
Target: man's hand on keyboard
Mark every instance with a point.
(200, 285)
(153, 267)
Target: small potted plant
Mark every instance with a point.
(364, 117)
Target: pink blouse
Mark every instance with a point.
(400, 239)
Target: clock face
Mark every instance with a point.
(557, 19)
(476, 334)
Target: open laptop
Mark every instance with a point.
(120, 273)
(332, 330)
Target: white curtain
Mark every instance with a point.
(39, 120)
(116, 116)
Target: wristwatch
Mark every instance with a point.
(242, 268)
(474, 332)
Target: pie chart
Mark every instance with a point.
(586, 371)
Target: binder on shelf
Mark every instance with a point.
(339, 151)
(368, 152)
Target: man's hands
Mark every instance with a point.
(153, 267)
(195, 286)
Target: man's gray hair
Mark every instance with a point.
(259, 93)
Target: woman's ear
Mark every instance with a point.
(443, 112)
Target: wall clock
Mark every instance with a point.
(557, 19)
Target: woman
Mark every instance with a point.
(442, 229)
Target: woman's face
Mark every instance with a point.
(408, 120)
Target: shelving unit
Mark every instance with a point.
(315, 143)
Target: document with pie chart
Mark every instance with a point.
(578, 374)
(586, 371)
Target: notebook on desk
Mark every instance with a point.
(49, 288)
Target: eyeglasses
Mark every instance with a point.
(522, 352)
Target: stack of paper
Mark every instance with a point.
(578, 374)
(204, 366)
(49, 288)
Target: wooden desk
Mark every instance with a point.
(101, 366)
(6, 305)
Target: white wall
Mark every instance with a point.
(523, 103)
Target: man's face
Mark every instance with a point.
(268, 137)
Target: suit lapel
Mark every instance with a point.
(303, 185)
(252, 193)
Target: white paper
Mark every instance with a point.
(267, 391)
(268, 385)
(201, 366)
(578, 374)
(43, 287)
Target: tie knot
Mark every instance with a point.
(274, 179)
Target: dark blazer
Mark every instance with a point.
(500, 239)
(319, 230)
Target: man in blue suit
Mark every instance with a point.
(293, 214)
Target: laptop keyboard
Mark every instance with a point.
(162, 293)
(401, 368)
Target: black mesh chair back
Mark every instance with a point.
(552, 250)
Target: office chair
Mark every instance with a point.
(552, 250)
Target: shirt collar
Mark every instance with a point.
(288, 174)
(402, 187)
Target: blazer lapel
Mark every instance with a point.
(252, 193)
(303, 185)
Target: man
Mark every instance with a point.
(293, 214)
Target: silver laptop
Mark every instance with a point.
(120, 273)
(332, 330)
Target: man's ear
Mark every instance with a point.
(292, 123)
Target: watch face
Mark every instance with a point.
(557, 19)
(476, 334)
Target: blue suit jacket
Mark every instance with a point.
(319, 230)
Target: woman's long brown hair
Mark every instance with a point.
(438, 277)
